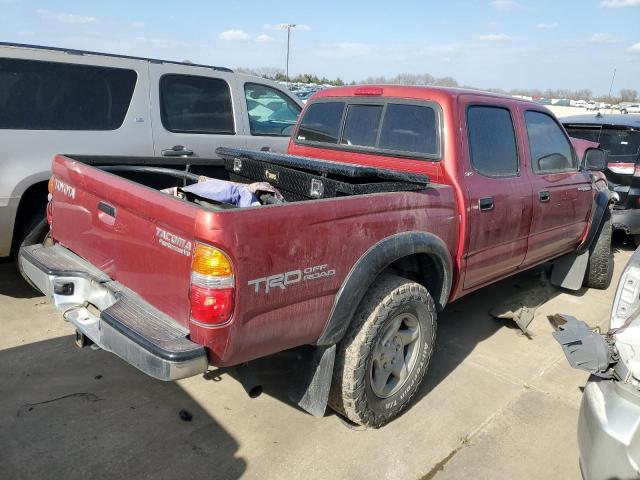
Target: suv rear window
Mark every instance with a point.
(37, 95)
(383, 127)
(192, 104)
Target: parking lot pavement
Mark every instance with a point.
(495, 404)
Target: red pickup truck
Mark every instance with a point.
(392, 202)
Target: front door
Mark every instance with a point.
(562, 194)
(498, 197)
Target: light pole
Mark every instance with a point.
(288, 27)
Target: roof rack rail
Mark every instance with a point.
(73, 51)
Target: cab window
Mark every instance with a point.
(550, 148)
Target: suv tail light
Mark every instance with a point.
(622, 168)
(636, 172)
(212, 286)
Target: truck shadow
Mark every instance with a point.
(12, 284)
(85, 414)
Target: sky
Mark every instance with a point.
(483, 43)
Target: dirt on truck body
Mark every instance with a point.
(392, 202)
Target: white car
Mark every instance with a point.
(634, 108)
(609, 419)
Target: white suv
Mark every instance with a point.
(67, 101)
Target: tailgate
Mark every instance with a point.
(136, 235)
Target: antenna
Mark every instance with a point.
(611, 86)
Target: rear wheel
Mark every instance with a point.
(600, 266)
(383, 357)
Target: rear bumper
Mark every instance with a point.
(609, 430)
(627, 220)
(112, 316)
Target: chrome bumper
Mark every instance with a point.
(112, 316)
(609, 430)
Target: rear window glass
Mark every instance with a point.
(37, 95)
(192, 104)
(394, 127)
(623, 144)
(409, 128)
(361, 125)
(321, 122)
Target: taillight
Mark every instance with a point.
(212, 286)
(636, 172)
(50, 184)
(622, 168)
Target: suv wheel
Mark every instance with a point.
(382, 359)
(600, 266)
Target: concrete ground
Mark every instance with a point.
(495, 404)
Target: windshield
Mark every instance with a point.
(623, 144)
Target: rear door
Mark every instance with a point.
(194, 111)
(562, 194)
(498, 196)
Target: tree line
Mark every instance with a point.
(624, 95)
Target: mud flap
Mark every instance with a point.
(569, 270)
(312, 379)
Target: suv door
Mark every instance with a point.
(498, 197)
(562, 194)
(194, 111)
(271, 116)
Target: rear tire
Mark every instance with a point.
(600, 266)
(381, 361)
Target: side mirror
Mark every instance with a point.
(595, 159)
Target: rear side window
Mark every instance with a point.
(409, 128)
(321, 122)
(37, 95)
(492, 141)
(361, 125)
(550, 148)
(192, 104)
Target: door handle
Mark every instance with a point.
(106, 208)
(177, 151)
(265, 149)
(486, 204)
(544, 196)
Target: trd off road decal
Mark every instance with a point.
(284, 280)
(173, 242)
